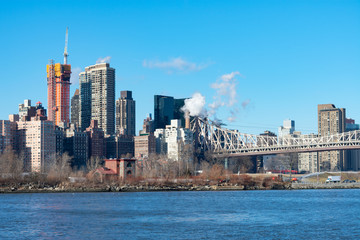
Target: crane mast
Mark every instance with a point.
(66, 44)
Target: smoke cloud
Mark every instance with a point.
(104, 60)
(195, 105)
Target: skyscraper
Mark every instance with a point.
(97, 97)
(163, 110)
(58, 81)
(331, 120)
(75, 108)
(125, 114)
(84, 101)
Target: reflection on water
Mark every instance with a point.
(307, 214)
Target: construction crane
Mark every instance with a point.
(66, 44)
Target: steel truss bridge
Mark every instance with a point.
(221, 141)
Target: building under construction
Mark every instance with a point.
(58, 81)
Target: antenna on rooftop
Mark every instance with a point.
(66, 44)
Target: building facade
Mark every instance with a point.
(75, 108)
(102, 78)
(125, 114)
(97, 144)
(331, 120)
(37, 144)
(144, 145)
(175, 141)
(58, 81)
(84, 101)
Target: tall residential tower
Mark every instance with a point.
(125, 114)
(97, 97)
(58, 81)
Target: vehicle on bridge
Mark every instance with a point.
(333, 179)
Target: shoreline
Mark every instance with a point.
(166, 188)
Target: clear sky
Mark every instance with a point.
(289, 55)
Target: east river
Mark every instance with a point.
(284, 214)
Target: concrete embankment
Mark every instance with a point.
(325, 185)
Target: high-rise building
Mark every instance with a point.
(75, 108)
(331, 120)
(97, 97)
(58, 80)
(167, 108)
(178, 113)
(85, 101)
(37, 144)
(125, 114)
(163, 110)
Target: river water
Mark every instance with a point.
(296, 214)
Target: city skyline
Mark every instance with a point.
(286, 58)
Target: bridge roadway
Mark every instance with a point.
(225, 142)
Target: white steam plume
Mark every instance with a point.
(195, 105)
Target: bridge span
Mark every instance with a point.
(231, 143)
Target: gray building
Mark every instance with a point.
(84, 101)
(97, 97)
(125, 114)
(331, 120)
(75, 108)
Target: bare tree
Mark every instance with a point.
(93, 163)
(59, 167)
(11, 164)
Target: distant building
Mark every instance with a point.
(75, 108)
(167, 108)
(308, 161)
(26, 110)
(331, 120)
(76, 144)
(84, 101)
(287, 129)
(148, 126)
(7, 135)
(144, 145)
(125, 114)
(97, 97)
(121, 169)
(37, 143)
(353, 156)
(97, 142)
(175, 141)
(124, 146)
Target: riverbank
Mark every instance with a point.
(146, 187)
(114, 187)
(40, 184)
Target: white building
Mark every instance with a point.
(287, 129)
(37, 143)
(174, 141)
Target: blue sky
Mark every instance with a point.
(290, 55)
